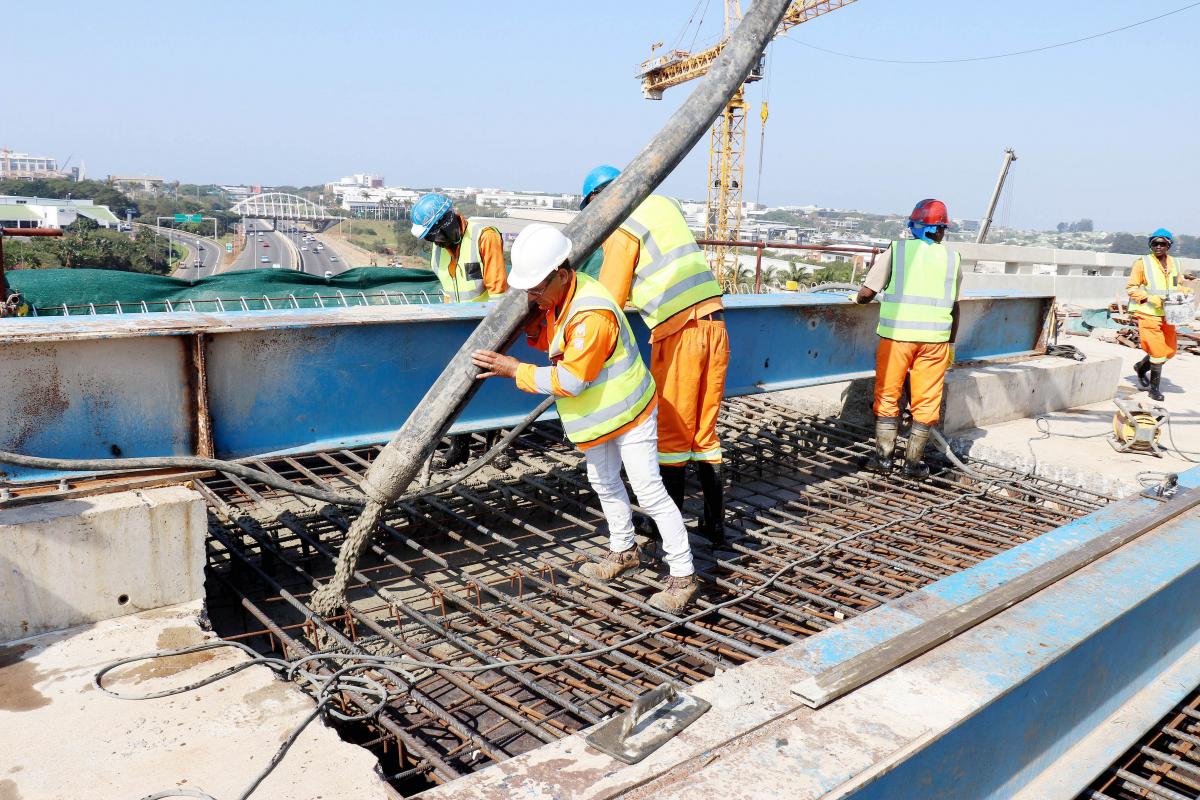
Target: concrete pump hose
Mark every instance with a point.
(397, 465)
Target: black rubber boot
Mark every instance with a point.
(885, 444)
(712, 525)
(1155, 377)
(914, 464)
(1142, 368)
(675, 479)
(457, 454)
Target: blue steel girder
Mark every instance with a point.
(245, 384)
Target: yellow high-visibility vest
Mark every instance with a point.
(1158, 283)
(624, 386)
(672, 274)
(466, 284)
(916, 306)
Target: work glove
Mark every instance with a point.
(852, 297)
(1156, 300)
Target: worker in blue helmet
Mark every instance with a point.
(468, 259)
(1153, 279)
(653, 262)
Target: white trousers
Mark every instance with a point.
(637, 449)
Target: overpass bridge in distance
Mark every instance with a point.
(281, 205)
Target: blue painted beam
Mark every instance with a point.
(241, 384)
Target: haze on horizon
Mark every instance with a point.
(524, 96)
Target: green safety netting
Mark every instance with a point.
(98, 291)
(59, 292)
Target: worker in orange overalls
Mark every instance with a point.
(1152, 278)
(653, 262)
(919, 279)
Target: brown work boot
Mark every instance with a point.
(612, 565)
(675, 597)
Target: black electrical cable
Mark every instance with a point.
(995, 56)
(274, 481)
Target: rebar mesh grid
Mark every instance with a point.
(487, 571)
(1163, 765)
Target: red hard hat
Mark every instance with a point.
(930, 212)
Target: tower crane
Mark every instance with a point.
(727, 140)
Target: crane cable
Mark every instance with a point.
(995, 56)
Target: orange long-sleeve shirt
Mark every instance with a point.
(621, 253)
(491, 253)
(590, 338)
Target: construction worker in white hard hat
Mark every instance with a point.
(653, 261)
(918, 281)
(605, 400)
(468, 260)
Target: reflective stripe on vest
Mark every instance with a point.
(1158, 284)
(916, 306)
(672, 274)
(621, 390)
(466, 285)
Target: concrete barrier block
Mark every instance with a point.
(977, 396)
(71, 562)
(986, 395)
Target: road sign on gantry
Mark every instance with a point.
(189, 217)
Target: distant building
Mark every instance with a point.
(22, 166)
(504, 199)
(140, 184)
(44, 212)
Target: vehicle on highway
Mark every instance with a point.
(264, 259)
(333, 258)
(304, 248)
(266, 244)
(197, 263)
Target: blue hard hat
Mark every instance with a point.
(1163, 233)
(428, 211)
(598, 178)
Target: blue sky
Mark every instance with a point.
(532, 94)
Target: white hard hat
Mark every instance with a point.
(539, 250)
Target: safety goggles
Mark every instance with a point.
(1161, 243)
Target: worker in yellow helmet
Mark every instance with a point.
(1152, 279)
(919, 279)
(653, 261)
(605, 400)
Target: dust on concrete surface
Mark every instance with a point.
(17, 679)
(8, 790)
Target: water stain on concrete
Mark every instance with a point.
(17, 678)
(8, 790)
(173, 638)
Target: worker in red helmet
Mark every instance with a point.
(918, 281)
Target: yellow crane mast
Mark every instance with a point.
(727, 140)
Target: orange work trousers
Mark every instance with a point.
(925, 363)
(1157, 337)
(689, 369)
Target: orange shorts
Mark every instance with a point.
(925, 363)
(689, 368)
(1156, 336)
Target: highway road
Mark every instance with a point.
(319, 259)
(264, 242)
(203, 253)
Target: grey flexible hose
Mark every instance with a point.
(274, 481)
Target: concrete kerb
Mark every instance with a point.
(70, 562)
